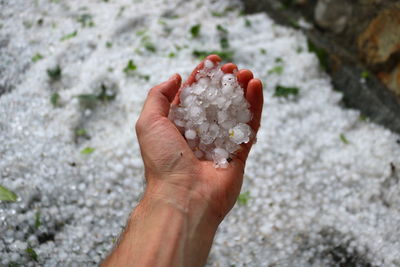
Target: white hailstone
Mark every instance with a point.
(212, 115)
(190, 134)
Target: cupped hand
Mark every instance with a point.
(172, 171)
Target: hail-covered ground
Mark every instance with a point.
(321, 185)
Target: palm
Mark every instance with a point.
(165, 151)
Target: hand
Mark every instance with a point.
(185, 198)
(171, 169)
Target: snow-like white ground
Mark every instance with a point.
(323, 184)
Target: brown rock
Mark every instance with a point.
(392, 80)
(381, 38)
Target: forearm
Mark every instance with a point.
(167, 228)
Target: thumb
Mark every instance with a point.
(160, 97)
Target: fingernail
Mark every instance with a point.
(173, 77)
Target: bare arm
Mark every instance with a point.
(185, 198)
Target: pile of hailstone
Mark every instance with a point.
(213, 115)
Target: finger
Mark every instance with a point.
(229, 68)
(159, 98)
(254, 96)
(192, 77)
(243, 77)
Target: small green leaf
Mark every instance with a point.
(54, 98)
(171, 55)
(224, 42)
(140, 32)
(321, 54)
(80, 132)
(263, 51)
(54, 73)
(37, 57)
(344, 139)
(247, 22)
(221, 29)
(226, 55)
(282, 91)
(68, 36)
(362, 117)
(217, 14)
(32, 254)
(278, 59)
(88, 101)
(109, 44)
(104, 95)
(150, 46)
(87, 150)
(7, 195)
(277, 70)
(130, 67)
(37, 220)
(365, 74)
(243, 198)
(195, 30)
(86, 20)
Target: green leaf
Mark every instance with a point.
(150, 46)
(68, 36)
(362, 117)
(263, 51)
(109, 44)
(243, 198)
(32, 254)
(37, 57)
(224, 42)
(86, 20)
(365, 74)
(37, 220)
(217, 14)
(282, 91)
(54, 73)
(278, 59)
(344, 139)
(88, 100)
(104, 95)
(195, 30)
(55, 97)
(321, 54)
(221, 29)
(226, 55)
(247, 22)
(7, 195)
(171, 55)
(87, 150)
(277, 70)
(130, 67)
(80, 132)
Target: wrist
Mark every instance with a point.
(170, 216)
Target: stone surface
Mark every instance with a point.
(333, 14)
(339, 42)
(381, 38)
(392, 79)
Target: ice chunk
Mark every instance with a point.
(212, 115)
(220, 157)
(190, 134)
(240, 133)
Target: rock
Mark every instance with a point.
(381, 38)
(333, 15)
(392, 79)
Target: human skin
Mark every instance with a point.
(185, 198)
